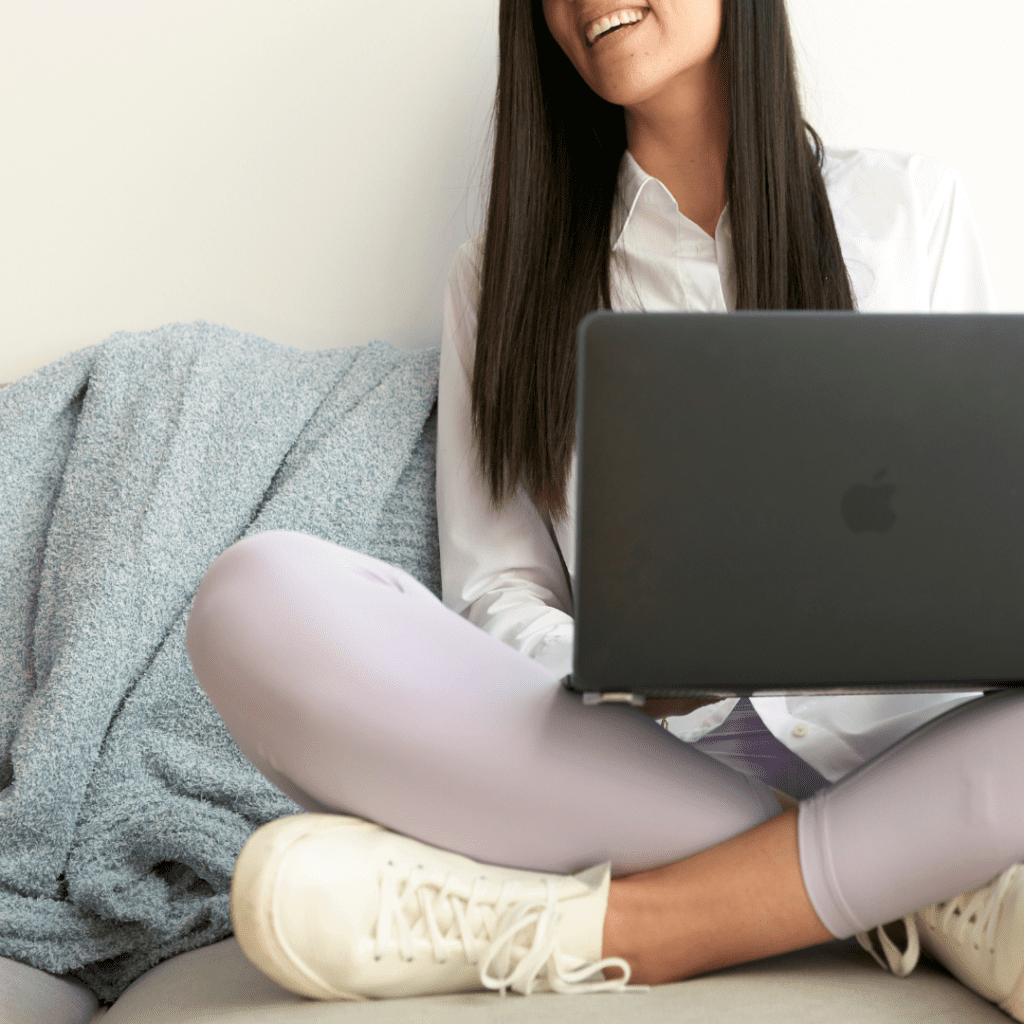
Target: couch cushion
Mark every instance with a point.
(30, 996)
(834, 982)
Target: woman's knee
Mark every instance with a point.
(215, 593)
(266, 559)
(243, 573)
(286, 607)
(231, 599)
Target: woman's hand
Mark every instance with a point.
(665, 707)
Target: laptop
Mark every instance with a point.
(798, 502)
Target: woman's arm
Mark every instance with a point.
(957, 266)
(499, 568)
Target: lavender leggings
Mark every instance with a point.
(354, 690)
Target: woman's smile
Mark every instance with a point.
(608, 24)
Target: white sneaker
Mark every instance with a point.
(334, 907)
(977, 936)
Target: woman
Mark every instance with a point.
(474, 825)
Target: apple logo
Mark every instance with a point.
(866, 506)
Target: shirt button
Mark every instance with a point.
(800, 730)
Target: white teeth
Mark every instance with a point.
(602, 25)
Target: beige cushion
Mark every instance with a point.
(837, 983)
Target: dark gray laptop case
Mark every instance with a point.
(799, 502)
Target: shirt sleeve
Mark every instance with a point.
(499, 567)
(960, 280)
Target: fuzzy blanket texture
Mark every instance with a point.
(125, 469)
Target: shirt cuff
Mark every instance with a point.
(555, 654)
(700, 722)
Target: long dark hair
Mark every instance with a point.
(557, 149)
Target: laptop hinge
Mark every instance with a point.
(636, 699)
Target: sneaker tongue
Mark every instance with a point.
(594, 878)
(581, 930)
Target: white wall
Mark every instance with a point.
(943, 77)
(297, 168)
(306, 169)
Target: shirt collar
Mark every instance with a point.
(636, 185)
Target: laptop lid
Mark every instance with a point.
(799, 502)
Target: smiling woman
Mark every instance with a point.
(445, 845)
(680, 90)
(470, 823)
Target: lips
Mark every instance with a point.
(623, 17)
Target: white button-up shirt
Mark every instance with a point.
(911, 244)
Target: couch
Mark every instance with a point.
(835, 981)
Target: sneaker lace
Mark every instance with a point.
(901, 964)
(484, 928)
(979, 907)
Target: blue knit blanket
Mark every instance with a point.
(125, 469)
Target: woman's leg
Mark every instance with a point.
(355, 685)
(936, 814)
(741, 900)
(356, 691)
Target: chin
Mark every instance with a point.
(627, 88)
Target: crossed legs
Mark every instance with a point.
(356, 691)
